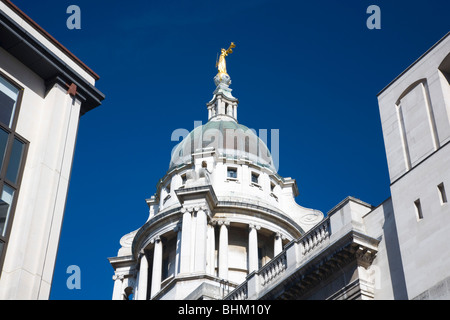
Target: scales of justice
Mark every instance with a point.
(222, 76)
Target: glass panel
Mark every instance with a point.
(3, 143)
(8, 98)
(5, 207)
(14, 161)
(232, 173)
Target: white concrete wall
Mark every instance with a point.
(418, 154)
(424, 243)
(420, 95)
(49, 122)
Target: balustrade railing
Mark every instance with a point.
(273, 269)
(315, 237)
(276, 267)
(240, 293)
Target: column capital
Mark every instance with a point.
(118, 277)
(223, 223)
(280, 235)
(186, 209)
(194, 208)
(254, 226)
(155, 240)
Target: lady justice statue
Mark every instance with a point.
(222, 75)
(221, 64)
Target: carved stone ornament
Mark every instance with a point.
(365, 257)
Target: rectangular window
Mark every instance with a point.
(183, 179)
(419, 213)
(13, 149)
(9, 95)
(442, 193)
(5, 208)
(272, 186)
(255, 177)
(3, 143)
(232, 173)
(15, 159)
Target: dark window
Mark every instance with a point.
(12, 153)
(419, 212)
(255, 177)
(9, 95)
(442, 193)
(3, 143)
(232, 173)
(15, 160)
(6, 199)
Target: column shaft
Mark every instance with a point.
(252, 249)
(223, 252)
(157, 267)
(200, 242)
(118, 288)
(278, 245)
(185, 254)
(178, 251)
(211, 264)
(143, 278)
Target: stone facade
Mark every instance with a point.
(224, 225)
(220, 213)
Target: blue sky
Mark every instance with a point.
(310, 69)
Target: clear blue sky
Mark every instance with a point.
(310, 69)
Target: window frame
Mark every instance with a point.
(442, 193)
(255, 175)
(418, 209)
(12, 136)
(232, 169)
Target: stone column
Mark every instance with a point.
(178, 248)
(185, 254)
(143, 278)
(211, 248)
(118, 287)
(253, 248)
(277, 245)
(223, 249)
(157, 266)
(200, 241)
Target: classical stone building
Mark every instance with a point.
(224, 225)
(44, 89)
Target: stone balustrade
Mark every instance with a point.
(299, 249)
(273, 269)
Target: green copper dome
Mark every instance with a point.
(227, 138)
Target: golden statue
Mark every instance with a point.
(221, 64)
